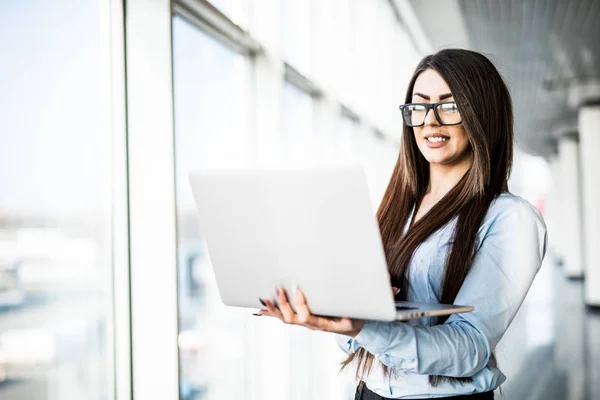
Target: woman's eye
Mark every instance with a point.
(449, 108)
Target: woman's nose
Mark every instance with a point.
(430, 118)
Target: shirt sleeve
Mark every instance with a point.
(346, 343)
(503, 270)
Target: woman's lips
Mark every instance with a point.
(436, 145)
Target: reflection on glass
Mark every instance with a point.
(55, 248)
(210, 131)
(296, 34)
(296, 109)
(348, 140)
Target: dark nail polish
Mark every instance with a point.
(258, 315)
(262, 302)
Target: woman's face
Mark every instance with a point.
(439, 144)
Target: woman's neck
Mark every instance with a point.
(442, 178)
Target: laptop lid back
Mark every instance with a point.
(314, 228)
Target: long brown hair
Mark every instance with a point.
(485, 106)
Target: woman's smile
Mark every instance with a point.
(436, 140)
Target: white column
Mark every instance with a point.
(589, 134)
(554, 218)
(155, 366)
(571, 218)
(121, 328)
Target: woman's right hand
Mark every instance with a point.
(303, 317)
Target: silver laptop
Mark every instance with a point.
(309, 228)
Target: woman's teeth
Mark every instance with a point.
(437, 139)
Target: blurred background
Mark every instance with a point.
(106, 288)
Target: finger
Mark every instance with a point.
(274, 311)
(303, 314)
(289, 316)
(265, 313)
(395, 290)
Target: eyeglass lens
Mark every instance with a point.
(415, 114)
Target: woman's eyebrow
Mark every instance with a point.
(442, 96)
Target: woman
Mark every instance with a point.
(452, 234)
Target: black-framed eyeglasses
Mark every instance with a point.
(446, 113)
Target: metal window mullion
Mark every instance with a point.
(348, 113)
(152, 207)
(208, 18)
(301, 82)
(120, 339)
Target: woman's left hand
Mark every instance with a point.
(303, 317)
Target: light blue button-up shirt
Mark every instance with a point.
(510, 247)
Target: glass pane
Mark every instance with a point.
(378, 157)
(296, 34)
(210, 131)
(348, 140)
(296, 109)
(55, 243)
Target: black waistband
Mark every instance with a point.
(363, 393)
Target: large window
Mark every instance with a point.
(71, 180)
(55, 244)
(211, 131)
(244, 110)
